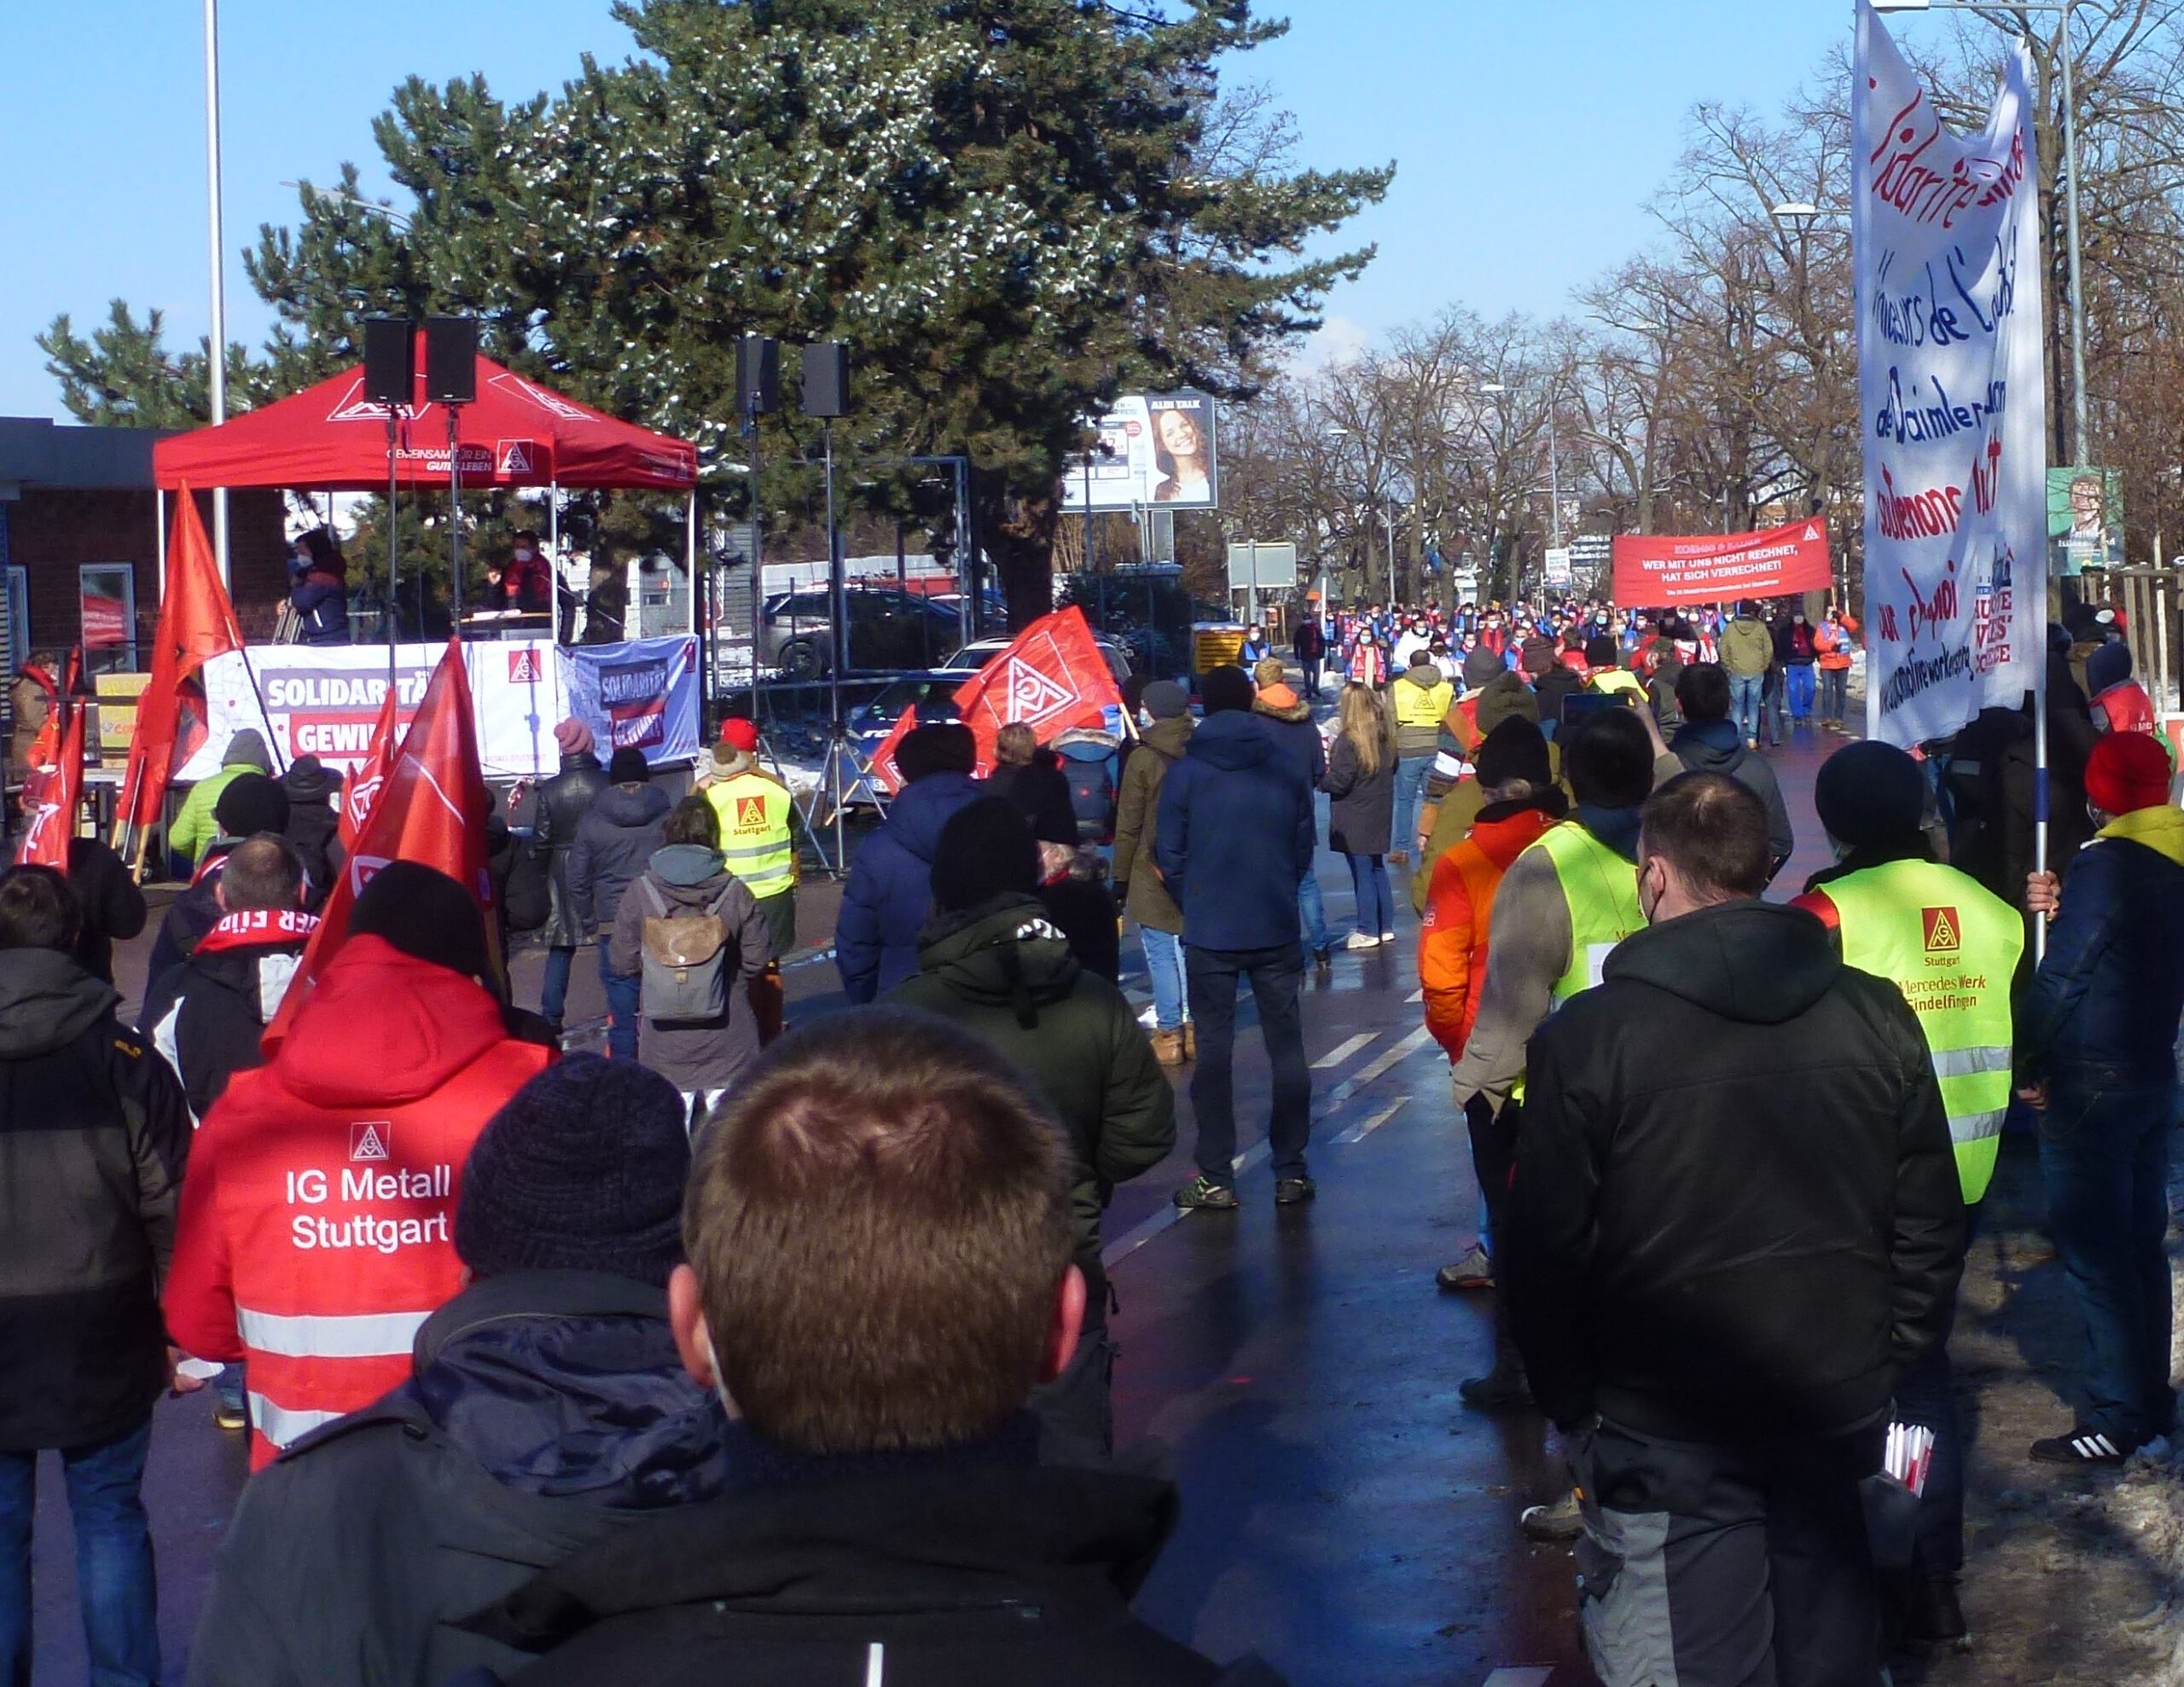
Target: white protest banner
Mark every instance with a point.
(642, 695)
(1947, 243)
(323, 700)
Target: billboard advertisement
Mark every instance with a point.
(2085, 518)
(1156, 449)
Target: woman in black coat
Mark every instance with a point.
(1361, 781)
(314, 823)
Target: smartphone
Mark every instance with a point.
(1580, 703)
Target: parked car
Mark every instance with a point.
(932, 691)
(975, 655)
(887, 630)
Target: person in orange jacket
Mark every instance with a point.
(1834, 640)
(1522, 801)
(315, 1233)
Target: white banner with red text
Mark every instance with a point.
(1946, 239)
(323, 700)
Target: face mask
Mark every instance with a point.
(1145, 719)
(522, 555)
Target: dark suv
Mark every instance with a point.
(887, 630)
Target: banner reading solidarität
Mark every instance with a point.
(1947, 245)
(1654, 570)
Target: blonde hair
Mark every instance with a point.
(1015, 744)
(1364, 722)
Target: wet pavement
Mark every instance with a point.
(1345, 1514)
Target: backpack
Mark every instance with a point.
(1091, 791)
(684, 960)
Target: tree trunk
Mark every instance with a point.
(1019, 538)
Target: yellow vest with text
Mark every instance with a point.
(1952, 948)
(1421, 705)
(1600, 889)
(755, 838)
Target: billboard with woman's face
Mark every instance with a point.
(1155, 448)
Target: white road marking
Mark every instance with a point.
(1334, 1057)
(1378, 1067)
(1360, 1131)
(1525, 1675)
(1416, 997)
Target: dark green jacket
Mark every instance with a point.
(1001, 970)
(1136, 807)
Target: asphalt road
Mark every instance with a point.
(1344, 1513)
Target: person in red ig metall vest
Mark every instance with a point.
(315, 1236)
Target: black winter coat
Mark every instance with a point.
(207, 1016)
(1691, 1258)
(189, 916)
(561, 805)
(615, 841)
(1039, 793)
(958, 1572)
(1004, 972)
(314, 823)
(94, 1136)
(114, 907)
(548, 1410)
(1362, 806)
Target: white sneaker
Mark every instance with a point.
(1387, 937)
(1362, 940)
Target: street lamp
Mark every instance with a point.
(401, 220)
(2070, 169)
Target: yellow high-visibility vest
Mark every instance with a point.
(1952, 948)
(755, 837)
(1600, 889)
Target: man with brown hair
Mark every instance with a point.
(878, 1227)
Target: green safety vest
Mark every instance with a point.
(755, 839)
(1600, 889)
(1952, 948)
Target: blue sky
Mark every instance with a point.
(1528, 133)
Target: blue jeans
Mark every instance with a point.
(1834, 693)
(1376, 902)
(554, 993)
(1312, 677)
(2104, 1158)
(1411, 786)
(1744, 693)
(114, 1580)
(622, 1004)
(1277, 980)
(1798, 682)
(1164, 964)
(1312, 910)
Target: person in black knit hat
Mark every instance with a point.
(548, 1410)
(249, 804)
(993, 960)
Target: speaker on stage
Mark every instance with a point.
(758, 375)
(827, 379)
(390, 359)
(451, 360)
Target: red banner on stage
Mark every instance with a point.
(1652, 571)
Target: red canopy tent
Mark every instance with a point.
(518, 433)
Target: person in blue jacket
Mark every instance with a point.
(318, 588)
(889, 889)
(1233, 838)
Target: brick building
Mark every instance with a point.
(80, 539)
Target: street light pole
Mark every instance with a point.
(216, 361)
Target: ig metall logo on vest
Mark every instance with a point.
(1941, 930)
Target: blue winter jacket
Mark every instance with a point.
(889, 889)
(2107, 996)
(323, 604)
(1235, 836)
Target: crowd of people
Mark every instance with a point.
(793, 1346)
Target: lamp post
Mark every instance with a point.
(216, 365)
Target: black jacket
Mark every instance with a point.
(1005, 973)
(190, 915)
(559, 807)
(974, 1575)
(207, 1015)
(614, 844)
(1362, 805)
(1716, 747)
(1689, 1256)
(314, 823)
(1039, 793)
(114, 907)
(93, 1140)
(547, 1410)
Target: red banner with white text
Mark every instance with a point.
(1654, 570)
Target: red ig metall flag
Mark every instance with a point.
(54, 785)
(883, 758)
(363, 787)
(197, 622)
(1052, 678)
(431, 809)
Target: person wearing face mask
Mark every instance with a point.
(1715, 1293)
(526, 583)
(318, 588)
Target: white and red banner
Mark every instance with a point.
(1946, 236)
(1654, 570)
(325, 700)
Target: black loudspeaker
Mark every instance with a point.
(758, 375)
(390, 361)
(827, 379)
(451, 360)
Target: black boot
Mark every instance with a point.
(1504, 1389)
(1933, 1620)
